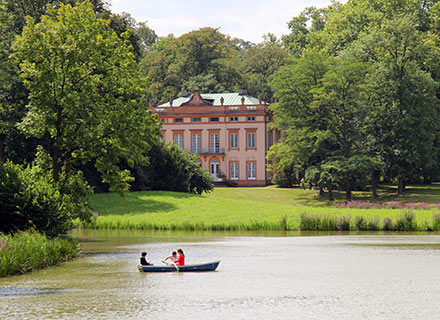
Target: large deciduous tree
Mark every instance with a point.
(84, 93)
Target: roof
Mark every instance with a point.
(230, 99)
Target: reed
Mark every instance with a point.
(28, 251)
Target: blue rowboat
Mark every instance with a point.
(210, 266)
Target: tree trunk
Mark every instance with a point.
(56, 167)
(330, 192)
(400, 185)
(348, 194)
(2, 154)
(374, 183)
(427, 179)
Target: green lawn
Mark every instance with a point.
(243, 208)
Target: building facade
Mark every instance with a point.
(228, 131)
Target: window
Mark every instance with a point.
(178, 120)
(162, 120)
(269, 139)
(251, 118)
(233, 140)
(234, 171)
(214, 168)
(195, 119)
(178, 140)
(233, 119)
(251, 170)
(214, 143)
(251, 140)
(195, 143)
(213, 119)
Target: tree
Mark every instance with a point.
(84, 94)
(310, 20)
(302, 125)
(405, 107)
(173, 169)
(258, 64)
(204, 54)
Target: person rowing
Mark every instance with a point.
(170, 259)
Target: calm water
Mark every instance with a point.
(261, 276)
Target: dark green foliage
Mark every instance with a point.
(30, 200)
(172, 169)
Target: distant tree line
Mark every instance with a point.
(360, 100)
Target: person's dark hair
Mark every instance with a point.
(143, 254)
(180, 251)
(174, 253)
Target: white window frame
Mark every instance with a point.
(178, 139)
(196, 142)
(233, 140)
(252, 170)
(233, 170)
(251, 141)
(214, 142)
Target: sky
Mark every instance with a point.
(244, 19)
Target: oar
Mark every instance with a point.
(177, 268)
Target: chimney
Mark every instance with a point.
(242, 91)
(242, 100)
(222, 100)
(171, 102)
(259, 100)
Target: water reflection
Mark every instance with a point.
(261, 276)
(26, 292)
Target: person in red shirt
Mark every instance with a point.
(181, 259)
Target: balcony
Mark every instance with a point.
(207, 150)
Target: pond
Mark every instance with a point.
(261, 276)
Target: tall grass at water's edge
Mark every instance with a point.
(405, 222)
(29, 251)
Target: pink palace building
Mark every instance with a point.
(228, 131)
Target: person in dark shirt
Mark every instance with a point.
(144, 261)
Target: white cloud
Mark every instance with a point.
(246, 19)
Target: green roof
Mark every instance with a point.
(229, 99)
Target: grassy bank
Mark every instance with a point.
(244, 209)
(28, 251)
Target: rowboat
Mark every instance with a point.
(210, 266)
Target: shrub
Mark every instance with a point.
(388, 225)
(30, 199)
(343, 223)
(309, 223)
(436, 222)
(363, 224)
(324, 223)
(406, 222)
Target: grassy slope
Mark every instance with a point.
(240, 208)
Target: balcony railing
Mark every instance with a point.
(207, 150)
